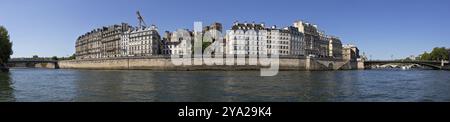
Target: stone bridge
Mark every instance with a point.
(432, 64)
(33, 63)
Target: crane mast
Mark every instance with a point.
(141, 20)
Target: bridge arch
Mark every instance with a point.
(331, 65)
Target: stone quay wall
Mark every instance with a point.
(165, 63)
(47, 65)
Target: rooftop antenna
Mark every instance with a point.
(141, 20)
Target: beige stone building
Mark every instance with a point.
(247, 39)
(215, 36)
(178, 43)
(296, 40)
(111, 38)
(256, 39)
(103, 42)
(278, 40)
(143, 41)
(89, 45)
(311, 37)
(350, 52)
(301, 39)
(316, 42)
(335, 47)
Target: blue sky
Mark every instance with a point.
(380, 28)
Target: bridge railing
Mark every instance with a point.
(32, 59)
(418, 61)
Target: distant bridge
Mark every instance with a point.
(432, 64)
(33, 63)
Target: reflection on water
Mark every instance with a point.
(6, 89)
(291, 86)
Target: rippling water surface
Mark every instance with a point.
(204, 86)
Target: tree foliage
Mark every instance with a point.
(54, 58)
(72, 57)
(5, 45)
(438, 53)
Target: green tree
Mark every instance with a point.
(439, 53)
(54, 58)
(5, 46)
(425, 56)
(72, 57)
(408, 59)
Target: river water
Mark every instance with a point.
(29, 85)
